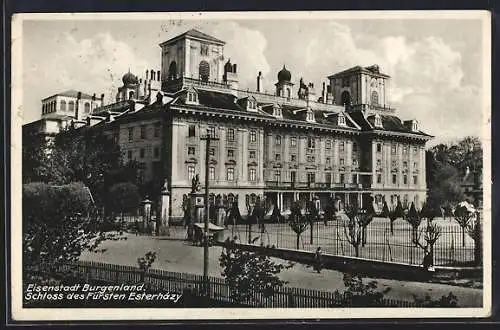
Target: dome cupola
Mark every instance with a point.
(129, 79)
(284, 75)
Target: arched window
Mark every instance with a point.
(130, 95)
(288, 92)
(346, 98)
(158, 76)
(71, 106)
(152, 75)
(63, 105)
(87, 107)
(172, 71)
(374, 98)
(204, 70)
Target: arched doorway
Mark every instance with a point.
(346, 98)
(172, 71)
(204, 70)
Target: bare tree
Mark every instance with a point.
(463, 214)
(474, 230)
(353, 227)
(414, 218)
(431, 234)
(298, 221)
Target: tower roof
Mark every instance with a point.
(195, 34)
(284, 75)
(129, 79)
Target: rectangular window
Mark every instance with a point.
(192, 130)
(415, 179)
(328, 144)
(379, 178)
(354, 147)
(230, 174)
(379, 147)
(415, 165)
(191, 150)
(311, 143)
(278, 140)
(328, 160)
(211, 151)
(394, 163)
(342, 178)
(341, 146)
(341, 161)
(230, 135)
(394, 148)
(143, 131)
(251, 154)
(142, 153)
(157, 129)
(405, 150)
(328, 177)
(252, 174)
(190, 172)
(379, 162)
(415, 150)
(129, 155)
(211, 131)
(354, 178)
(394, 179)
(253, 136)
(230, 153)
(311, 177)
(293, 141)
(405, 179)
(277, 175)
(293, 158)
(130, 133)
(354, 162)
(277, 157)
(156, 152)
(211, 173)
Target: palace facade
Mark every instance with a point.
(342, 141)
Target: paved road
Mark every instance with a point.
(179, 256)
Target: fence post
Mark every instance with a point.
(291, 300)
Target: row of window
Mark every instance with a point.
(142, 153)
(395, 179)
(70, 106)
(394, 149)
(143, 131)
(394, 163)
(230, 136)
(252, 173)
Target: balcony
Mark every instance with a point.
(287, 185)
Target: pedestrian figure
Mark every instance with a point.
(318, 260)
(136, 227)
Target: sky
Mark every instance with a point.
(436, 65)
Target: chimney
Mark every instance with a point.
(102, 100)
(259, 82)
(78, 98)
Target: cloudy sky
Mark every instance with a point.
(436, 65)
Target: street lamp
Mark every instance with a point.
(147, 212)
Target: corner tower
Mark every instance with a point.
(193, 55)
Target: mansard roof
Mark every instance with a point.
(393, 124)
(195, 34)
(71, 93)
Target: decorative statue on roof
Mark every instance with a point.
(195, 184)
(303, 89)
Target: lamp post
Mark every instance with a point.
(147, 212)
(208, 138)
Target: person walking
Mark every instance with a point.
(318, 262)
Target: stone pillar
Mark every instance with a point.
(374, 163)
(162, 226)
(187, 60)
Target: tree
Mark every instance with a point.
(145, 263)
(297, 221)
(59, 223)
(353, 228)
(312, 216)
(474, 230)
(385, 210)
(396, 213)
(123, 197)
(429, 210)
(366, 218)
(250, 275)
(35, 157)
(431, 234)
(464, 214)
(330, 211)
(414, 219)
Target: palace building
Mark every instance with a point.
(342, 141)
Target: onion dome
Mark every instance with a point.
(129, 79)
(284, 75)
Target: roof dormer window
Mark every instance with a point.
(378, 121)
(341, 119)
(251, 105)
(192, 97)
(310, 116)
(277, 111)
(414, 126)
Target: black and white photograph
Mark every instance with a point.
(243, 165)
